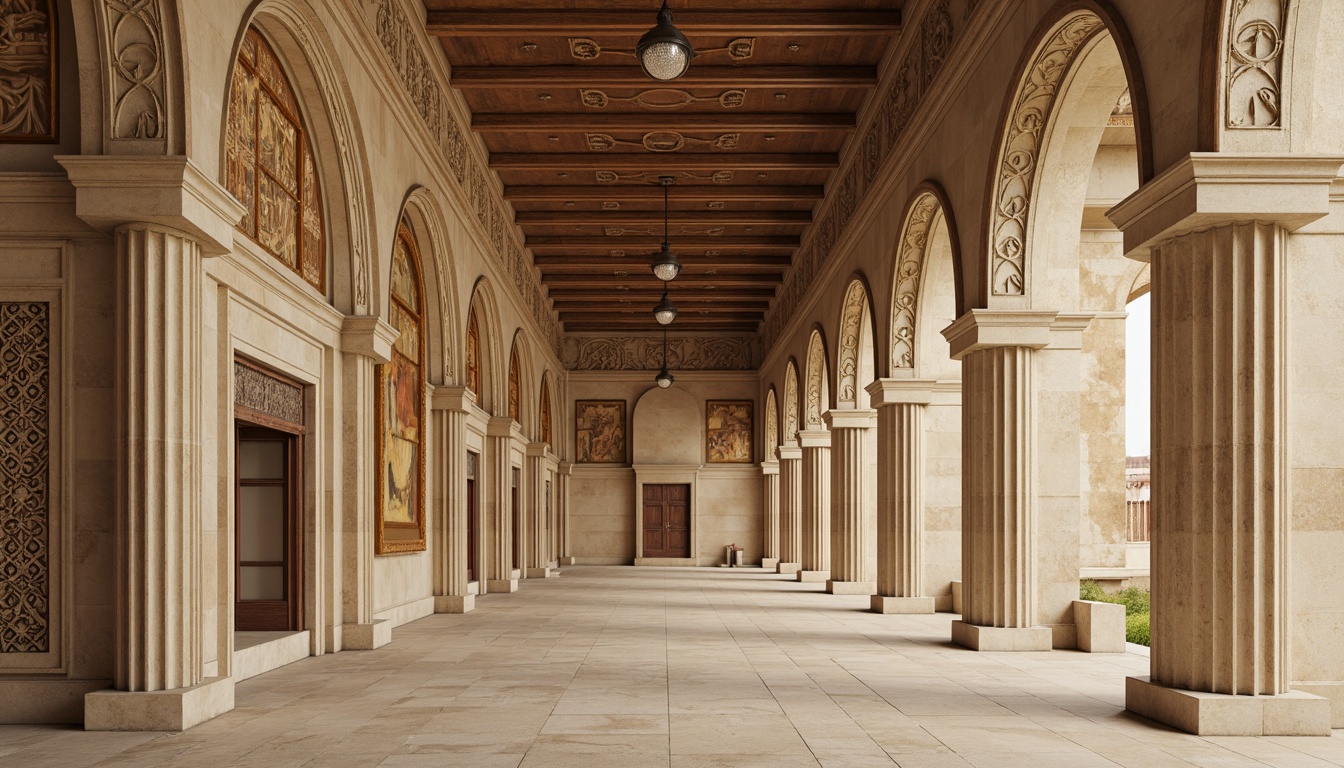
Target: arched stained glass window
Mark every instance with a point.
(400, 408)
(473, 353)
(544, 409)
(514, 385)
(269, 164)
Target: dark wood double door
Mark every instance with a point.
(667, 521)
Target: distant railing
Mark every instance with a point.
(1138, 504)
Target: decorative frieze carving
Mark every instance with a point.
(909, 268)
(645, 353)
(254, 389)
(134, 37)
(25, 493)
(640, 177)
(588, 49)
(403, 42)
(852, 317)
(27, 71)
(816, 383)
(877, 141)
(1019, 155)
(1255, 45)
(661, 141)
(662, 98)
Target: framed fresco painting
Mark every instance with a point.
(599, 432)
(728, 432)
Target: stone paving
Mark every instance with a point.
(688, 668)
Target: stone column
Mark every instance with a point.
(564, 555)
(498, 568)
(770, 515)
(448, 418)
(1000, 505)
(1226, 642)
(790, 509)
(900, 405)
(850, 519)
(816, 507)
(536, 558)
(166, 219)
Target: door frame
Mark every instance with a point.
(668, 474)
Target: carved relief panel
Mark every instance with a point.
(1254, 78)
(473, 353)
(28, 83)
(514, 385)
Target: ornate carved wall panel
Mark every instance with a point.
(28, 84)
(853, 316)
(137, 71)
(790, 403)
(814, 405)
(638, 353)
(1255, 35)
(25, 477)
(544, 408)
(266, 394)
(514, 386)
(473, 352)
(905, 287)
(771, 424)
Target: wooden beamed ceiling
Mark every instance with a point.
(580, 135)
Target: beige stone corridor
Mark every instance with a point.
(632, 667)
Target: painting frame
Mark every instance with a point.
(729, 428)
(596, 423)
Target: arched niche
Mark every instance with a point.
(668, 436)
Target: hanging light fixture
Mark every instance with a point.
(665, 312)
(663, 51)
(664, 379)
(666, 267)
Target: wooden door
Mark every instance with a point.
(471, 529)
(667, 520)
(517, 534)
(268, 545)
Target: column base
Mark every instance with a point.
(366, 637)
(173, 710)
(501, 585)
(568, 561)
(769, 563)
(901, 605)
(1218, 714)
(851, 587)
(979, 638)
(541, 573)
(813, 577)
(454, 603)
(786, 569)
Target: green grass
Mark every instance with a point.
(1135, 600)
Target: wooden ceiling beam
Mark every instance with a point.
(780, 77)
(647, 278)
(668, 162)
(651, 295)
(736, 122)
(653, 193)
(678, 219)
(642, 261)
(652, 327)
(534, 22)
(688, 304)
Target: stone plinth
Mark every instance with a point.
(176, 709)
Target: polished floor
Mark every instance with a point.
(688, 668)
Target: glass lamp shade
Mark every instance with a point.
(664, 379)
(666, 267)
(663, 51)
(665, 312)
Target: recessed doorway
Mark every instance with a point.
(268, 579)
(667, 520)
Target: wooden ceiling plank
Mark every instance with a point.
(737, 122)
(682, 243)
(662, 162)
(761, 278)
(455, 23)
(654, 193)
(781, 77)
(679, 219)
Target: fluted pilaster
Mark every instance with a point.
(790, 509)
(769, 514)
(851, 522)
(816, 512)
(499, 564)
(536, 553)
(159, 601)
(562, 544)
(448, 420)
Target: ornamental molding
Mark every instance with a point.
(133, 36)
(263, 393)
(913, 245)
(1255, 42)
(645, 353)
(791, 403)
(771, 422)
(662, 98)
(1019, 156)
(816, 382)
(402, 41)
(851, 330)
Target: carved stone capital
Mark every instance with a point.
(111, 191)
(856, 418)
(769, 467)
(789, 453)
(452, 398)
(369, 336)
(1207, 189)
(814, 438)
(984, 328)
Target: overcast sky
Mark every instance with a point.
(1138, 356)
